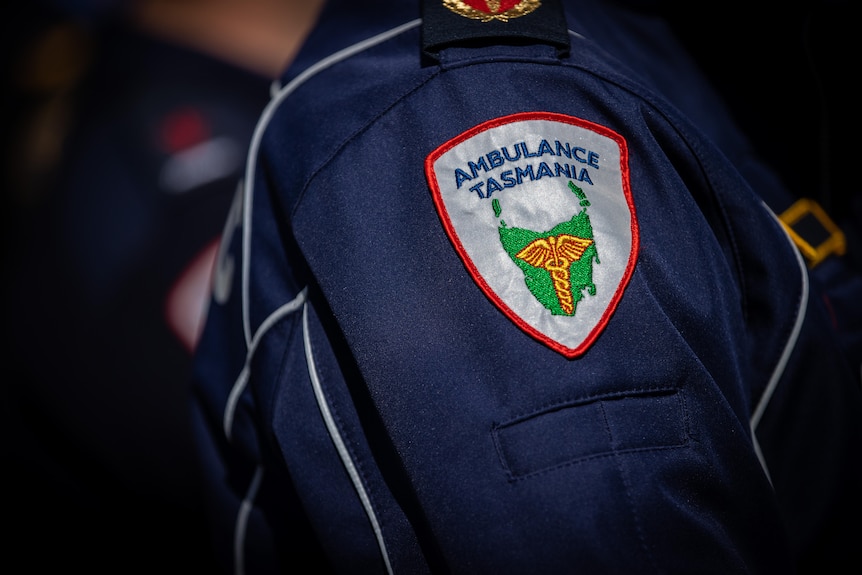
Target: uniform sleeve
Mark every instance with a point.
(491, 329)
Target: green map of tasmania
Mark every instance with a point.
(558, 263)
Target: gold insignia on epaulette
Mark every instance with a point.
(487, 10)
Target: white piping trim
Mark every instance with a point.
(274, 87)
(242, 380)
(788, 348)
(242, 522)
(339, 442)
(233, 400)
(262, 123)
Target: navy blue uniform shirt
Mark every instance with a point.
(506, 291)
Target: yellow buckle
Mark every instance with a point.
(806, 222)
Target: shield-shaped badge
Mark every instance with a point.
(538, 206)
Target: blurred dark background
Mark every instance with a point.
(121, 154)
(786, 72)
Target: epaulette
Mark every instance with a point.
(447, 23)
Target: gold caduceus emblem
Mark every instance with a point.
(556, 254)
(487, 10)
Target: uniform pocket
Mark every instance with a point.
(598, 426)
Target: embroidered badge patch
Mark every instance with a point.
(538, 206)
(487, 10)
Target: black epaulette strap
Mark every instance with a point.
(448, 23)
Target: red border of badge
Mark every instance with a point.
(570, 353)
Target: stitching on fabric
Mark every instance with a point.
(574, 401)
